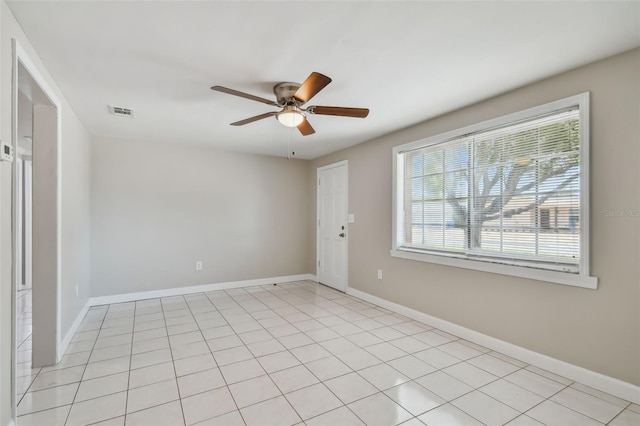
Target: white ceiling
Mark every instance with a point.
(406, 61)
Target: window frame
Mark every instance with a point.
(581, 278)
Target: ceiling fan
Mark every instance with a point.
(291, 97)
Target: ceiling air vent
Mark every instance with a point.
(120, 111)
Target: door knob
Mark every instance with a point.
(341, 235)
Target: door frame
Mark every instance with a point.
(344, 163)
(21, 57)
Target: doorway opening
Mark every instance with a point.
(35, 223)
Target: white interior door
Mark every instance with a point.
(23, 222)
(26, 244)
(332, 225)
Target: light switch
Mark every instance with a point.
(352, 218)
(6, 151)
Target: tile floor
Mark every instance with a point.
(296, 353)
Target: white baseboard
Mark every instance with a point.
(62, 346)
(177, 291)
(596, 380)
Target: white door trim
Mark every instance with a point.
(344, 163)
(20, 56)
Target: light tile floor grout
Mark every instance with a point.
(295, 353)
(174, 368)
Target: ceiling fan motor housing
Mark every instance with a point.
(284, 93)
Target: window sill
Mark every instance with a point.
(574, 280)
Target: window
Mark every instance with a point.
(511, 192)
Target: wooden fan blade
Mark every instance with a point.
(340, 111)
(305, 128)
(252, 119)
(311, 86)
(243, 95)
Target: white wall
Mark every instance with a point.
(157, 208)
(595, 329)
(75, 206)
(76, 249)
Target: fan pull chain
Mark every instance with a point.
(289, 152)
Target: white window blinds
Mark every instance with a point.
(509, 194)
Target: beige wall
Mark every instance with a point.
(157, 208)
(75, 206)
(598, 330)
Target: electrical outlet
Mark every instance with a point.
(199, 265)
(379, 274)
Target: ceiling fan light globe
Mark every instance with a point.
(290, 117)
